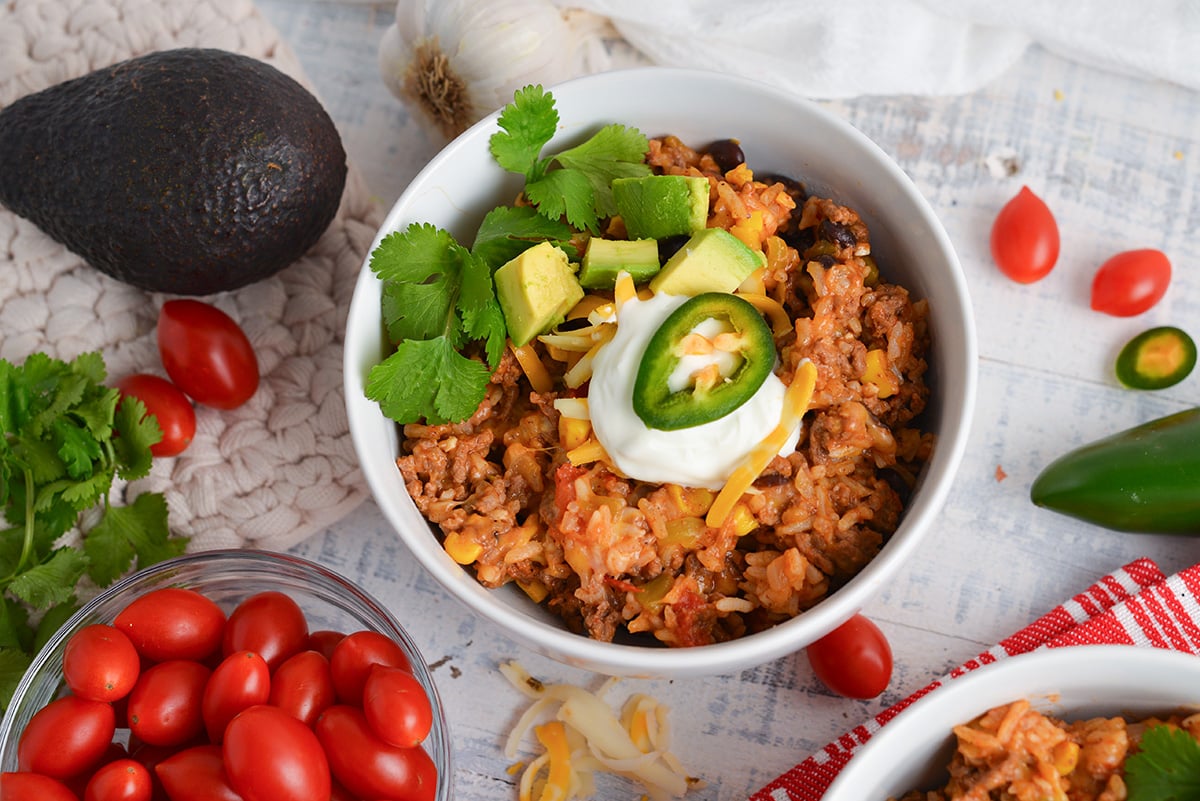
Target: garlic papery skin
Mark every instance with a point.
(455, 61)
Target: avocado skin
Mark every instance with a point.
(188, 171)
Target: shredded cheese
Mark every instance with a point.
(773, 309)
(581, 371)
(531, 364)
(795, 404)
(586, 737)
(625, 290)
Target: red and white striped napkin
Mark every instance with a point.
(1136, 605)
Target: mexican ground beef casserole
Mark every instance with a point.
(1015, 753)
(613, 555)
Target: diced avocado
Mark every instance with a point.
(657, 206)
(605, 258)
(713, 260)
(536, 290)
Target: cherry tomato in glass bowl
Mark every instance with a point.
(1131, 282)
(66, 737)
(120, 780)
(100, 663)
(170, 407)
(854, 660)
(206, 354)
(1025, 238)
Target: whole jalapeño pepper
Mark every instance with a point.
(1145, 479)
(706, 359)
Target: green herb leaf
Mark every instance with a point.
(51, 582)
(615, 151)
(138, 530)
(13, 664)
(1165, 768)
(508, 231)
(566, 193)
(428, 379)
(527, 124)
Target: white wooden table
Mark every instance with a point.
(1117, 159)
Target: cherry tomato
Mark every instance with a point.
(271, 756)
(120, 780)
(1131, 282)
(241, 681)
(303, 687)
(33, 787)
(1025, 238)
(170, 407)
(324, 641)
(206, 354)
(369, 767)
(173, 623)
(269, 623)
(396, 706)
(196, 774)
(352, 660)
(165, 704)
(66, 737)
(853, 660)
(100, 663)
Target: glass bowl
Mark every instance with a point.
(227, 577)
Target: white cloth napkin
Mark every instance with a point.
(872, 47)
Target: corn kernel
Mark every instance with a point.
(743, 519)
(535, 590)
(880, 374)
(691, 501)
(590, 451)
(750, 230)
(461, 550)
(1066, 757)
(573, 432)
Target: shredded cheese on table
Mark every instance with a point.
(586, 737)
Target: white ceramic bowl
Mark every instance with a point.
(912, 751)
(778, 133)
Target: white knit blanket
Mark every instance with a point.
(280, 467)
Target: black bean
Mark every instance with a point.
(727, 153)
(669, 245)
(897, 483)
(838, 233)
(801, 239)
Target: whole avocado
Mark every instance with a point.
(189, 171)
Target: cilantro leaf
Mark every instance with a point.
(481, 313)
(51, 582)
(527, 124)
(507, 231)
(1165, 768)
(136, 432)
(428, 379)
(566, 193)
(420, 269)
(137, 530)
(615, 151)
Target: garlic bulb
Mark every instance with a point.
(455, 61)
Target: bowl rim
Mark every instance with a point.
(637, 660)
(1044, 674)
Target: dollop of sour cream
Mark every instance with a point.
(700, 456)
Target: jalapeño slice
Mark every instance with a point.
(1156, 359)
(669, 395)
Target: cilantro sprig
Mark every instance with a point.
(575, 183)
(65, 440)
(1165, 768)
(439, 299)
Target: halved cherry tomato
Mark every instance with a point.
(100, 663)
(352, 660)
(303, 687)
(396, 706)
(1131, 282)
(170, 407)
(17, 786)
(1025, 238)
(196, 774)
(369, 767)
(241, 681)
(165, 704)
(66, 737)
(206, 353)
(853, 660)
(271, 756)
(172, 623)
(269, 623)
(120, 780)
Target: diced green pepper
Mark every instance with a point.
(709, 394)
(1156, 359)
(1144, 479)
